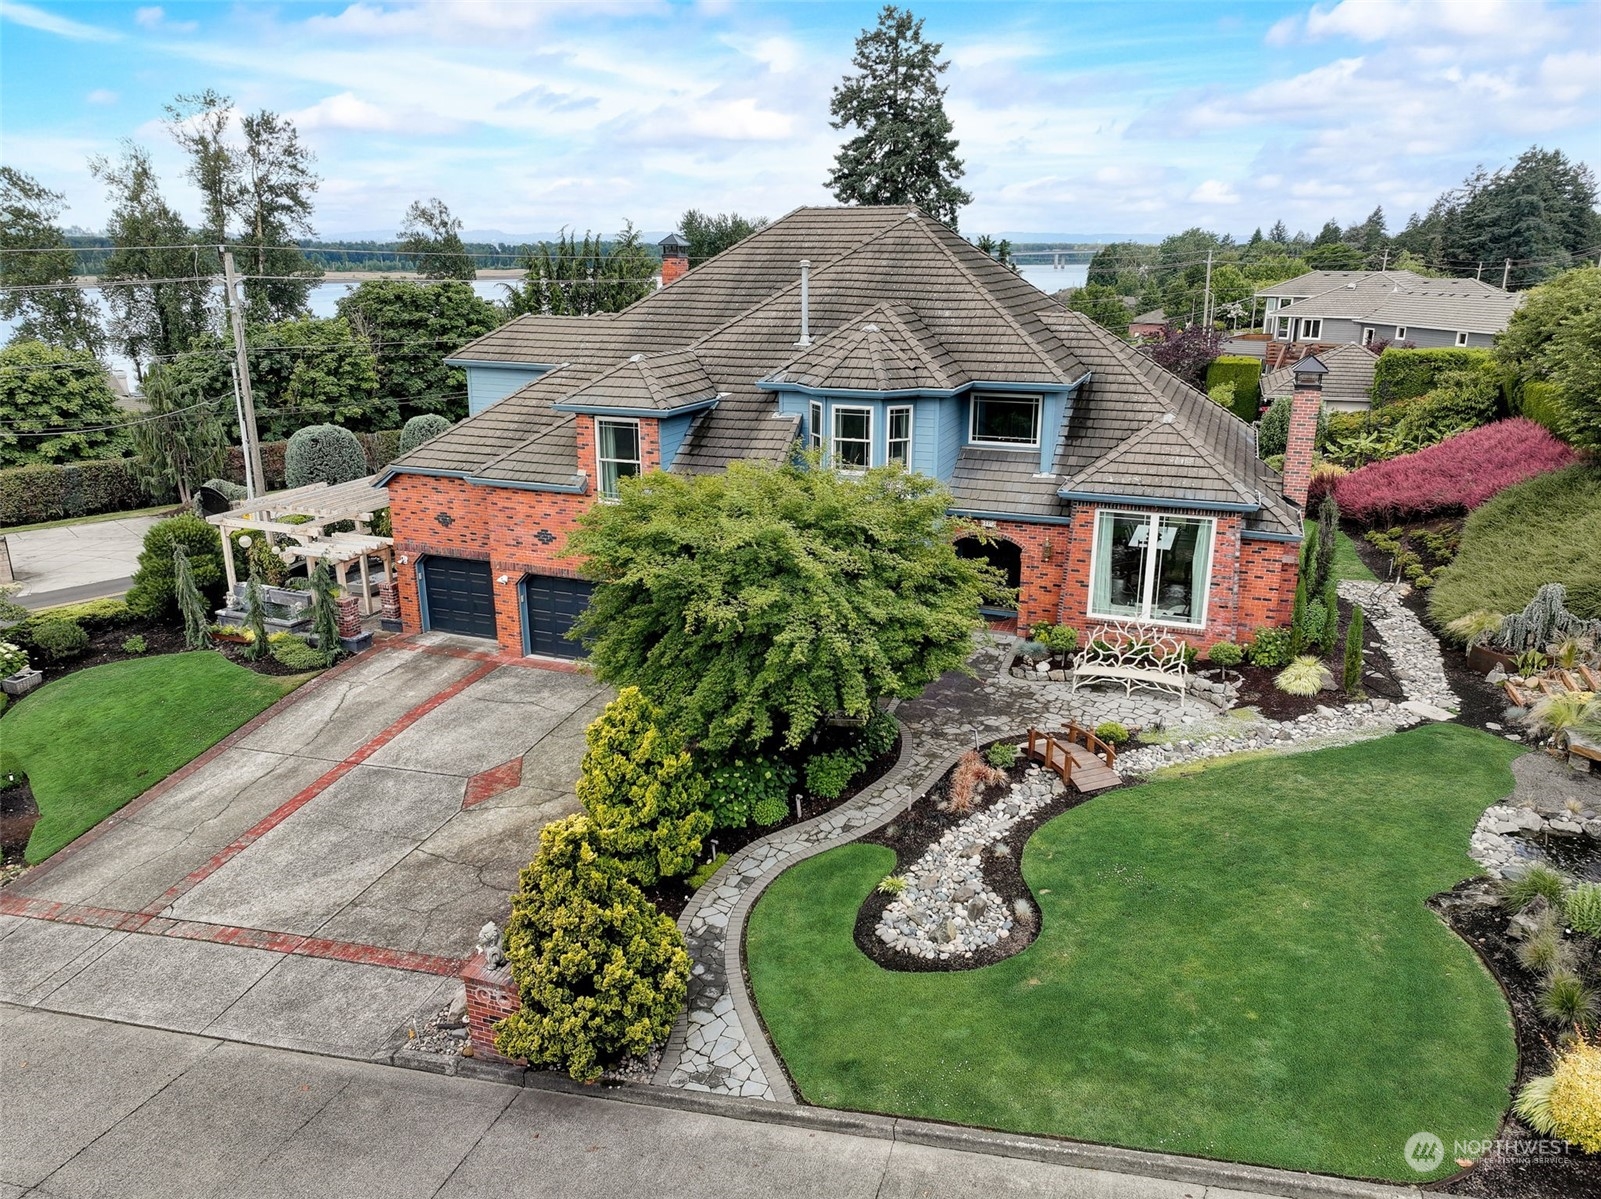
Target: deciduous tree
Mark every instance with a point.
(709, 234)
(312, 370)
(34, 255)
(431, 237)
(1102, 305)
(904, 152)
(750, 604)
(56, 405)
(411, 328)
(1555, 336)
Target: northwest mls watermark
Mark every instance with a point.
(1425, 1152)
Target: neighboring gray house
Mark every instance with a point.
(1348, 387)
(1365, 306)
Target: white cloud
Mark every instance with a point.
(101, 95)
(49, 22)
(1212, 192)
(154, 18)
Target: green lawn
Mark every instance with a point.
(97, 738)
(1346, 563)
(1238, 965)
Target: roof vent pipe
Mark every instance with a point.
(806, 304)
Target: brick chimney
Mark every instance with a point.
(675, 258)
(1306, 405)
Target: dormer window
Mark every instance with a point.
(616, 453)
(1012, 422)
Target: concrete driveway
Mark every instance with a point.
(314, 881)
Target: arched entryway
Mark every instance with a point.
(1004, 556)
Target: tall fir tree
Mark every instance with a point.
(904, 152)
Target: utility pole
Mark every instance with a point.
(255, 477)
(1506, 273)
(1206, 301)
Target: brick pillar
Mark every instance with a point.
(347, 608)
(491, 997)
(1306, 405)
(674, 267)
(389, 601)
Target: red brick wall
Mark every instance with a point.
(491, 996)
(1040, 546)
(674, 269)
(1246, 590)
(1305, 406)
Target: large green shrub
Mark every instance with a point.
(60, 638)
(45, 390)
(648, 805)
(323, 454)
(1401, 374)
(419, 429)
(41, 492)
(739, 785)
(1273, 434)
(601, 973)
(1545, 530)
(828, 774)
(1245, 372)
(154, 590)
(1542, 402)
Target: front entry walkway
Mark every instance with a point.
(316, 880)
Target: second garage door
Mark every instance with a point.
(460, 595)
(550, 606)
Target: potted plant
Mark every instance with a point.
(15, 676)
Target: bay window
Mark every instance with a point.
(852, 446)
(814, 426)
(616, 453)
(1151, 567)
(898, 448)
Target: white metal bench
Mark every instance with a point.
(1134, 655)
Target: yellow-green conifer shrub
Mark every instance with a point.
(1575, 1102)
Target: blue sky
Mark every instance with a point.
(1074, 118)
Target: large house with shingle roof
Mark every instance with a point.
(1361, 307)
(1105, 487)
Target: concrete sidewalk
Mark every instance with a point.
(101, 1109)
(76, 562)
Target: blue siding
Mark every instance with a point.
(1052, 407)
(487, 385)
(952, 434)
(673, 430)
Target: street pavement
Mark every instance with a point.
(76, 562)
(95, 1109)
(315, 882)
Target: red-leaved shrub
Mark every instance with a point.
(1456, 475)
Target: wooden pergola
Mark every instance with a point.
(324, 504)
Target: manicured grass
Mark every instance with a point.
(158, 510)
(97, 738)
(1346, 563)
(1238, 965)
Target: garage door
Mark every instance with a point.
(460, 595)
(550, 606)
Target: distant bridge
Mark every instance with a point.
(1060, 259)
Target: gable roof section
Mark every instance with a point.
(1403, 299)
(1166, 462)
(887, 349)
(657, 383)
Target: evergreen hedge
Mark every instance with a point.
(323, 454)
(41, 492)
(1403, 374)
(1245, 372)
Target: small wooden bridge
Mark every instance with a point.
(1082, 759)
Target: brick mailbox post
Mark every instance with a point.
(491, 996)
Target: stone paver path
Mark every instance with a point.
(718, 1045)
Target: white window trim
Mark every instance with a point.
(814, 420)
(1400, 333)
(600, 462)
(889, 428)
(1368, 334)
(1154, 519)
(1282, 333)
(1461, 339)
(1312, 328)
(834, 437)
(1023, 446)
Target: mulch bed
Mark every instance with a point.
(925, 822)
(1379, 680)
(1526, 1166)
(105, 645)
(18, 814)
(671, 895)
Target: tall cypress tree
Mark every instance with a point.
(904, 152)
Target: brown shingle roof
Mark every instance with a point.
(661, 382)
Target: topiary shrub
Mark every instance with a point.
(648, 806)
(600, 971)
(738, 786)
(154, 592)
(1225, 654)
(420, 429)
(323, 454)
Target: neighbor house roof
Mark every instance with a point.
(1349, 378)
(897, 301)
(1399, 298)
